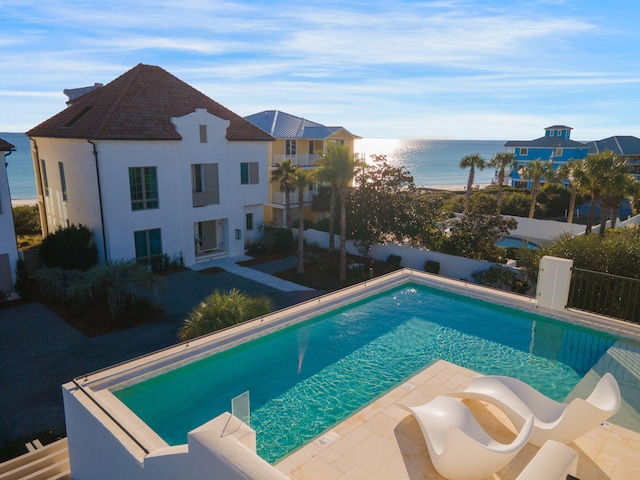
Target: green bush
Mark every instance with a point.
(277, 240)
(322, 225)
(124, 284)
(306, 222)
(55, 283)
(431, 266)
(501, 277)
(22, 280)
(393, 261)
(71, 248)
(223, 309)
(27, 220)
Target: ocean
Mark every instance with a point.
(431, 162)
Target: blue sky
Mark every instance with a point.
(387, 69)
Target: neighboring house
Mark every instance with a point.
(624, 147)
(556, 145)
(302, 141)
(8, 245)
(153, 167)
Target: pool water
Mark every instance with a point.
(511, 242)
(308, 377)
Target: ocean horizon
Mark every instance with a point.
(431, 162)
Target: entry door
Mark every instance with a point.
(208, 240)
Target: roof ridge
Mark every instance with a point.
(132, 74)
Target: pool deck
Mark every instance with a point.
(382, 441)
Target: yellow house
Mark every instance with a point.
(302, 141)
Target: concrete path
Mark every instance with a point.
(259, 274)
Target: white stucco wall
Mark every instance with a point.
(534, 229)
(450, 266)
(175, 215)
(8, 245)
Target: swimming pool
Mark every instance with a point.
(512, 242)
(307, 377)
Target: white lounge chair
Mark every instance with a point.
(459, 447)
(563, 422)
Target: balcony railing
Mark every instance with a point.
(278, 197)
(605, 294)
(301, 159)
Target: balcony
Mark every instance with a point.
(301, 159)
(277, 197)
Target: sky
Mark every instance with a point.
(468, 69)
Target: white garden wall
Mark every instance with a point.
(450, 266)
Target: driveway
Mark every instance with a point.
(39, 351)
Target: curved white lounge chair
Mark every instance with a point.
(459, 447)
(563, 422)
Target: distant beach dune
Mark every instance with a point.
(23, 202)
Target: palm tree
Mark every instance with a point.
(327, 171)
(122, 283)
(285, 174)
(574, 171)
(618, 184)
(501, 162)
(472, 162)
(302, 181)
(338, 166)
(602, 173)
(223, 309)
(536, 171)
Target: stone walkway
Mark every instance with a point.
(260, 274)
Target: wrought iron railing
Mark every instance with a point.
(605, 294)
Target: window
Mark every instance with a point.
(249, 221)
(524, 151)
(148, 245)
(143, 182)
(45, 180)
(249, 173)
(204, 184)
(63, 181)
(290, 147)
(203, 134)
(558, 152)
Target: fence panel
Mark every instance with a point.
(605, 294)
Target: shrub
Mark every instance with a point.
(221, 310)
(431, 266)
(393, 262)
(123, 283)
(71, 248)
(27, 220)
(306, 222)
(277, 240)
(55, 283)
(22, 280)
(501, 277)
(322, 225)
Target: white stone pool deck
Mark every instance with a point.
(384, 442)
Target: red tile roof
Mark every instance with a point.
(139, 105)
(6, 146)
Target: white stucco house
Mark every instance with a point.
(153, 167)
(8, 246)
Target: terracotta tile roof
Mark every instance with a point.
(6, 146)
(139, 105)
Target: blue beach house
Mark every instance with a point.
(556, 145)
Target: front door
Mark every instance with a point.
(207, 234)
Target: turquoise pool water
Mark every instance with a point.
(308, 377)
(511, 242)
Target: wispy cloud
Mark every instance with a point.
(372, 66)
